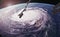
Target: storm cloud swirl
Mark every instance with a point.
(38, 27)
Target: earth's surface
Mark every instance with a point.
(5, 23)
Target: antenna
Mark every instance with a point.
(21, 14)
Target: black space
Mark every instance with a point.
(47, 1)
(36, 1)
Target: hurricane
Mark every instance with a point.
(35, 22)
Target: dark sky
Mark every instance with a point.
(5, 2)
(46, 1)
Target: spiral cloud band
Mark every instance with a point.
(34, 19)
